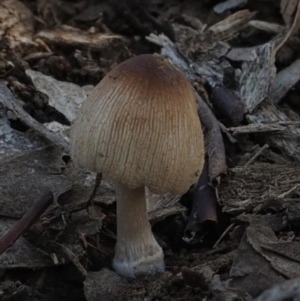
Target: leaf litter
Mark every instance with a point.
(234, 235)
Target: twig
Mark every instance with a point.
(223, 235)
(86, 205)
(260, 151)
(10, 102)
(30, 217)
(253, 128)
(284, 194)
(290, 32)
(74, 259)
(225, 131)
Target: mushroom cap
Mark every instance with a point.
(140, 127)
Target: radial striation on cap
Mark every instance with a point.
(140, 127)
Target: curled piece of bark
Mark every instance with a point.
(215, 145)
(228, 103)
(9, 101)
(32, 215)
(204, 204)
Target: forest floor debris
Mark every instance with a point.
(235, 234)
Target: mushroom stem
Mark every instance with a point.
(137, 251)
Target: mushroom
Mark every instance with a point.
(140, 128)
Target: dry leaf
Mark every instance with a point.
(283, 257)
(25, 177)
(251, 272)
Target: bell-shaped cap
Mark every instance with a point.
(140, 127)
